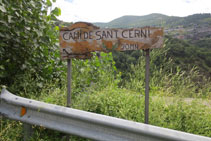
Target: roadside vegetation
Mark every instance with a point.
(180, 90)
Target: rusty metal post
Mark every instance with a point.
(69, 73)
(147, 87)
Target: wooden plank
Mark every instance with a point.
(81, 38)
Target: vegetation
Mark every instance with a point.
(182, 53)
(122, 103)
(168, 104)
(29, 50)
(187, 40)
(110, 84)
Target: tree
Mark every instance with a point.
(28, 42)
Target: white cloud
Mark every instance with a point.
(107, 10)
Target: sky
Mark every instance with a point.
(107, 10)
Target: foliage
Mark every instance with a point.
(175, 113)
(105, 97)
(192, 117)
(121, 103)
(97, 72)
(187, 55)
(168, 78)
(176, 53)
(10, 130)
(124, 60)
(30, 64)
(28, 43)
(192, 49)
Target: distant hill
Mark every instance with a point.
(193, 27)
(135, 21)
(157, 20)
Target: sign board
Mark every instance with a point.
(80, 39)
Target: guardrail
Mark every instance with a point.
(85, 124)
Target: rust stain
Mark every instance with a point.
(158, 32)
(108, 44)
(23, 111)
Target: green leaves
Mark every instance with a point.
(29, 40)
(2, 9)
(48, 3)
(98, 71)
(56, 11)
(56, 28)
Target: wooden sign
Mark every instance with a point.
(80, 39)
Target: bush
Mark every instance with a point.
(29, 45)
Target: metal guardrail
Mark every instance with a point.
(85, 124)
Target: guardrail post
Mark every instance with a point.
(27, 131)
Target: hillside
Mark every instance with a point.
(188, 45)
(191, 27)
(135, 21)
(157, 20)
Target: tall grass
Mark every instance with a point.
(167, 79)
(175, 113)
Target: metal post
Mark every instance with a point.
(27, 131)
(69, 73)
(147, 87)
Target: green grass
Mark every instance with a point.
(169, 112)
(178, 114)
(179, 99)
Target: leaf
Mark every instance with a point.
(1, 21)
(1, 35)
(56, 27)
(2, 67)
(17, 13)
(59, 12)
(9, 19)
(28, 28)
(3, 9)
(48, 2)
(56, 11)
(33, 3)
